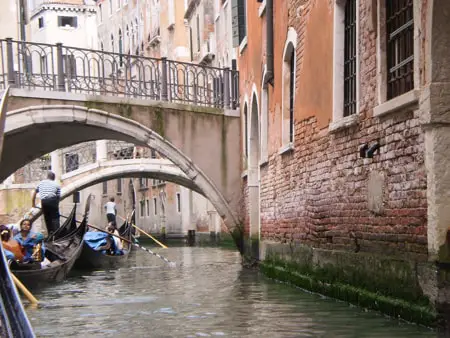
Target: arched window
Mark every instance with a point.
(288, 88)
(127, 46)
(101, 46)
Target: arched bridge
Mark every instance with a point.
(61, 96)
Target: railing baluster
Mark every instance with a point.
(164, 88)
(226, 89)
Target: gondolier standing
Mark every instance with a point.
(49, 194)
(111, 211)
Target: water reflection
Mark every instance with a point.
(208, 295)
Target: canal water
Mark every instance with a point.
(208, 294)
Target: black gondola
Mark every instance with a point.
(62, 251)
(92, 259)
(13, 319)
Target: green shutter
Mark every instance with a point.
(238, 17)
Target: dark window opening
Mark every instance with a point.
(105, 188)
(41, 22)
(71, 21)
(246, 131)
(198, 33)
(291, 95)
(119, 185)
(239, 24)
(350, 58)
(400, 47)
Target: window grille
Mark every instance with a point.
(400, 47)
(350, 48)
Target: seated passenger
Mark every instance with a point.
(113, 230)
(13, 249)
(29, 240)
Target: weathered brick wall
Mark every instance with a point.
(319, 194)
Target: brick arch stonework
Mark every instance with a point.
(38, 130)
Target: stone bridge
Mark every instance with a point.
(183, 111)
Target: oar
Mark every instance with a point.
(24, 290)
(148, 235)
(172, 264)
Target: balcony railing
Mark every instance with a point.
(70, 69)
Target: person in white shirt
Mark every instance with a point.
(111, 211)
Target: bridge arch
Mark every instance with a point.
(36, 130)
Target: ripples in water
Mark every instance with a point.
(208, 295)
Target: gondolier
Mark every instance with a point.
(111, 212)
(49, 194)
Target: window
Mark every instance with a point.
(153, 153)
(238, 12)
(198, 33)
(112, 43)
(143, 183)
(72, 162)
(288, 88)
(119, 4)
(350, 47)
(41, 22)
(178, 202)
(190, 44)
(147, 202)
(105, 188)
(142, 208)
(119, 185)
(67, 21)
(100, 12)
(110, 7)
(70, 66)
(155, 206)
(171, 17)
(400, 47)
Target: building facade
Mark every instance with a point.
(341, 138)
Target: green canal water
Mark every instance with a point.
(208, 294)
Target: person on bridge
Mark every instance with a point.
(50, 195)
(111, 211)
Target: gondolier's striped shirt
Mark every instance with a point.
(48, 189)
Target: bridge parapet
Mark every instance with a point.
(69, 69)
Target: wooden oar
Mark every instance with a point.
(148, 235)
(24, 290)
(172, 264)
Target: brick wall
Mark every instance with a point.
(319, 194)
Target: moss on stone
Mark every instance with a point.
(158, 122)
(124, 109)
(399, 308)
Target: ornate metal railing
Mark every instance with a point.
(79, 155)
(70, 69)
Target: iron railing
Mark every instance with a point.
(71, 69)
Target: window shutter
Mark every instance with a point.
(75, 21)
(238, 21)
(59, 21)
(235, 22)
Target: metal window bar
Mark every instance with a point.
(400, 47)
(350, 48)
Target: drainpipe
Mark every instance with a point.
(269, 47)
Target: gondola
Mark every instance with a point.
(92, 259)
(13, 319)
(62, 252)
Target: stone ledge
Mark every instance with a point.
(399, 103)
(243, 45)
(343, 123)
(286, 149)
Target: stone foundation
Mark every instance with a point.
(406, 289)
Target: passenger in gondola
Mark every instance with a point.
(12, 248)
(117, 242)
(32, 242)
